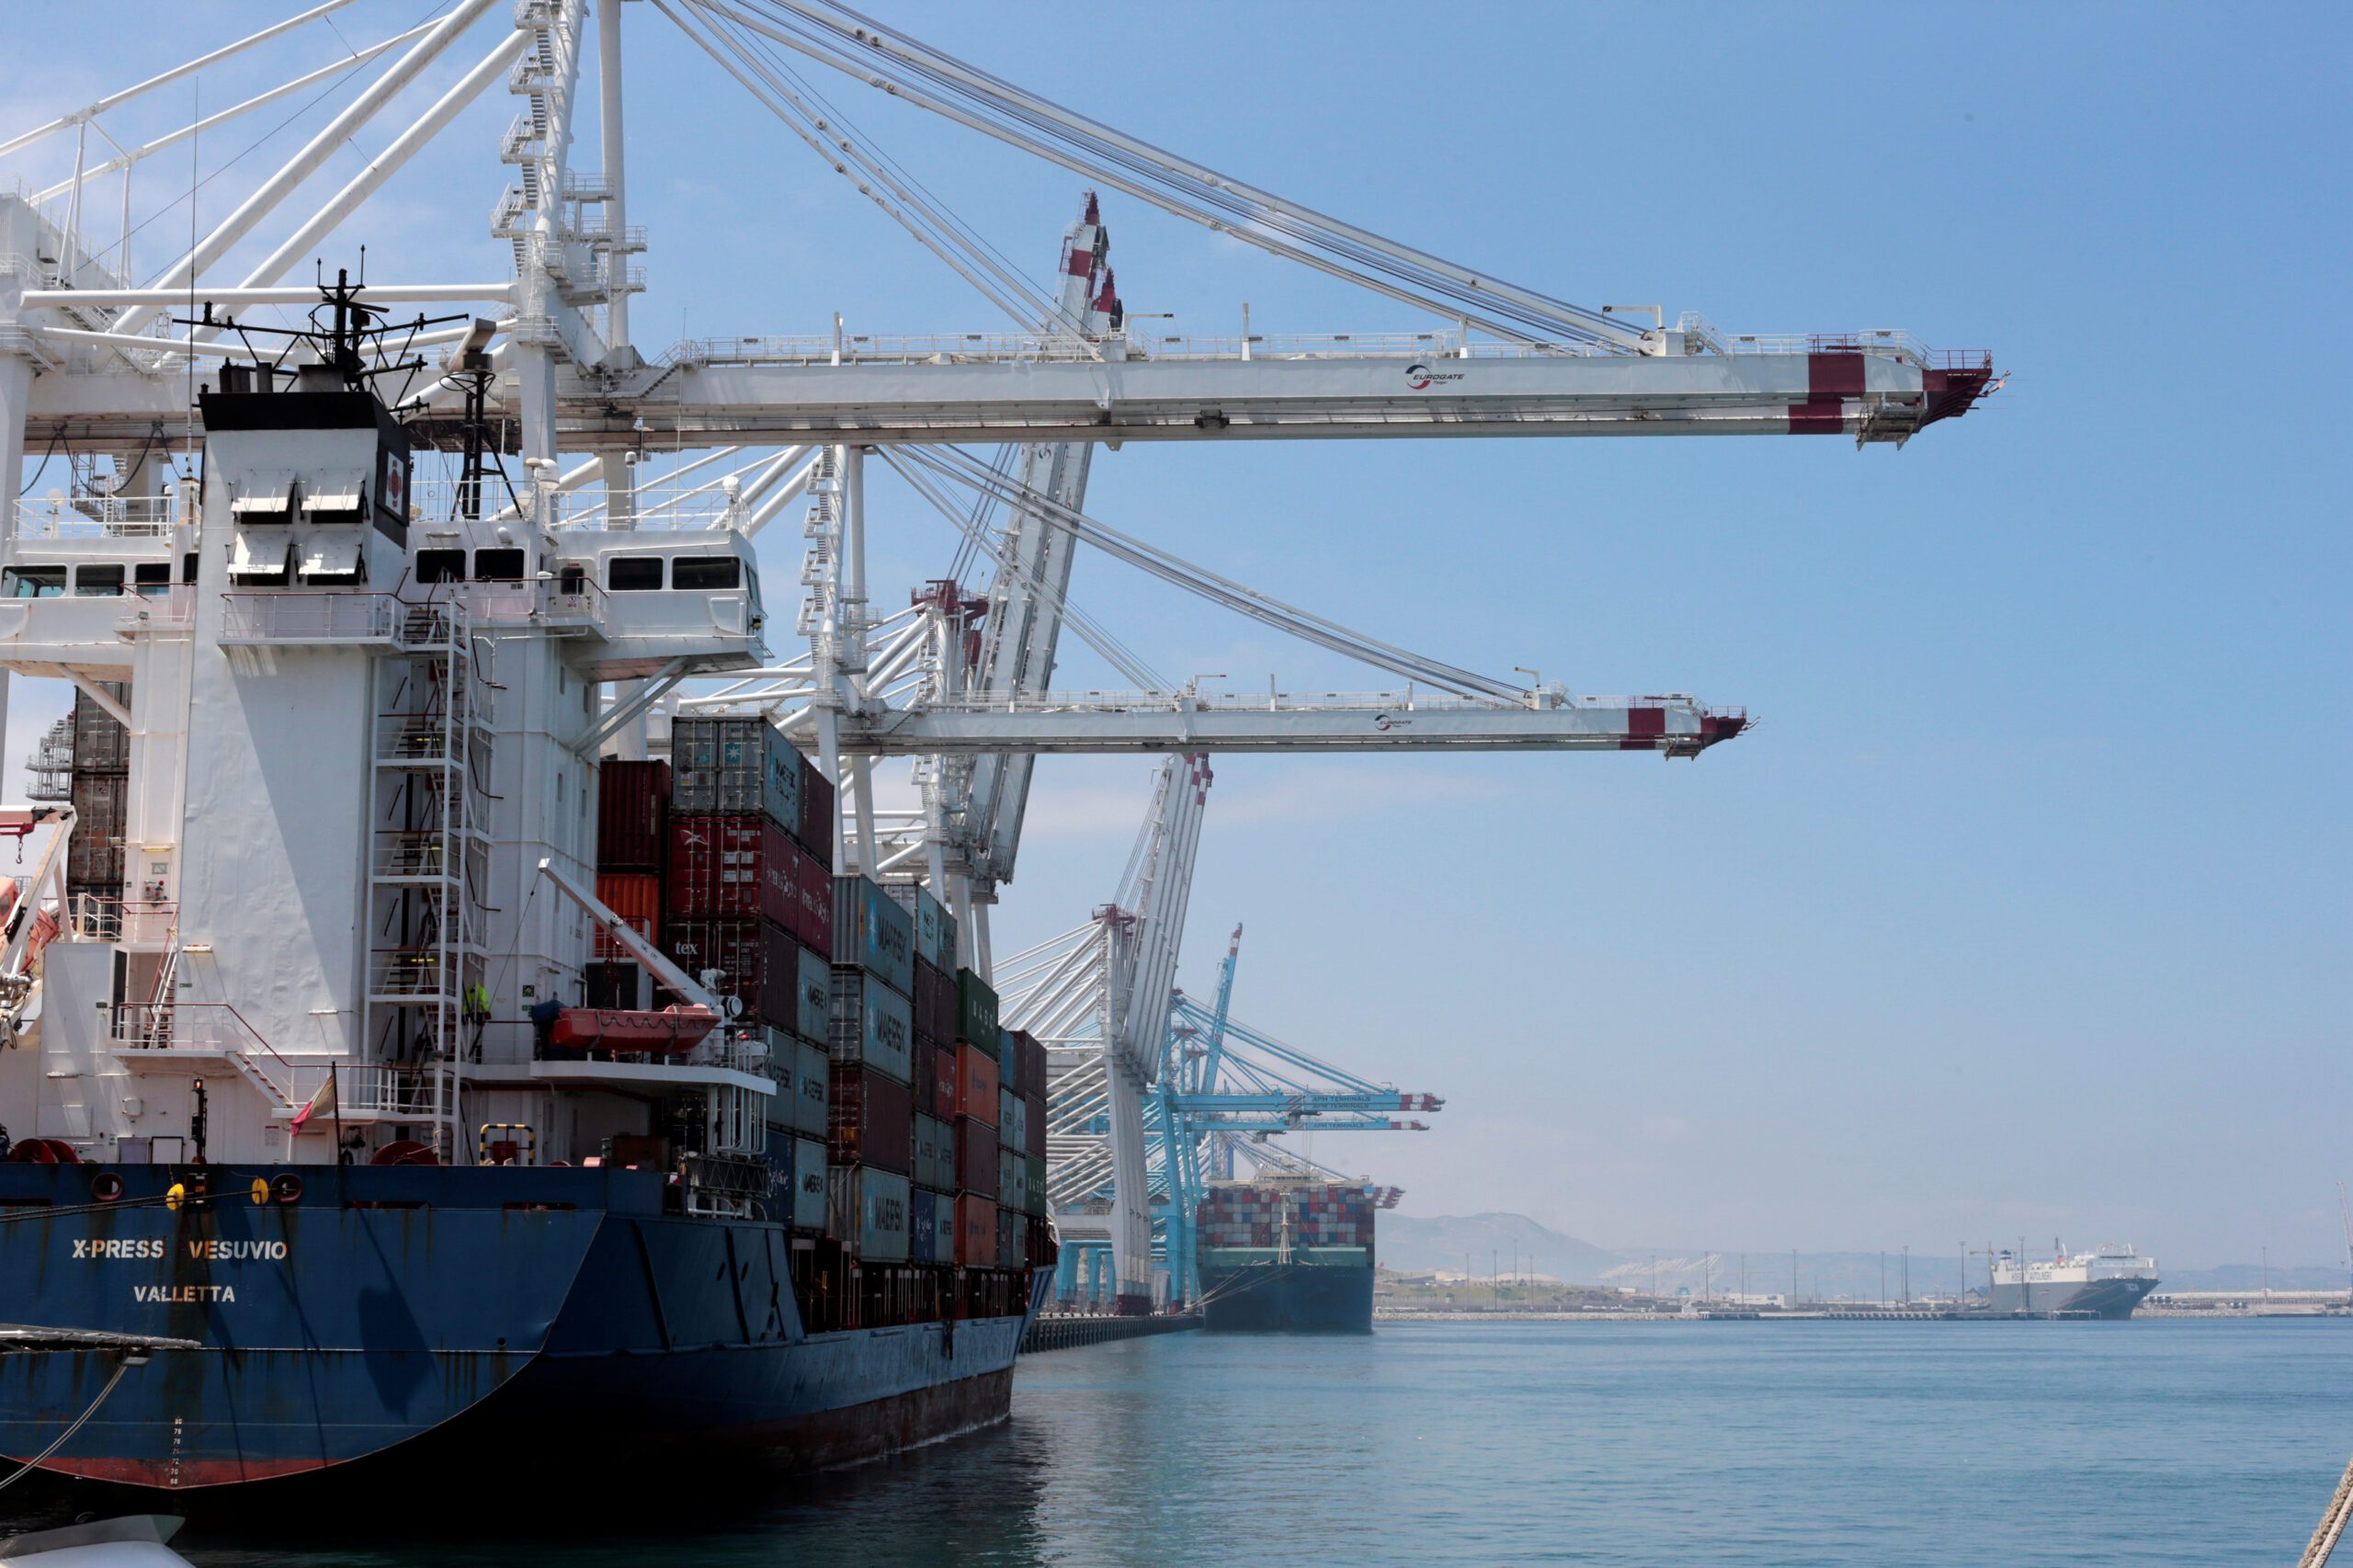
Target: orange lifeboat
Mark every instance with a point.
(673, 1031)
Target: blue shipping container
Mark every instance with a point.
(812, 1002)
(808, 1184)
(873, 933)
(923, 1227)
(872, 1024)
(811, 1075)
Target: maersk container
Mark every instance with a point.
(1008, 1060)
(1011, 1238)
(1008, 1120)
(811, 1086)
(1012, 1180)
(975, 1083)
(733, 867)
(1037, 1166)
(976, 1012)
(975, 1231)
(870, 1024)
(874, 933)
(976, 1154)
(935, 928)
(632, 815)
(809, 1185)
(812, 1003)
(868, 1210)
(926, 1165)
(943, 1082)
(812, 898)
(923, 1230)
(734, 767)
(867, 1120)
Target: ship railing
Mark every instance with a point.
(91, 917)
(559, 603)
(358, 620)
(60, 516)
(157, 605)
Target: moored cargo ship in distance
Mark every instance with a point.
(1286, 1255)
(2107, 1282)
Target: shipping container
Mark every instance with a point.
(943, 1082)
(1036, 1163)
(813, 903)
(1008, 1127)
(1008, 1060)
(975, 1083)
(812, 1080)
(819, 815)
(923, 1231)
(619, 984)
(94, 855)
(874, 933)
(734, 767)
(975, 1231)
(1013, 1238)
(632, 815)
(1033, 1065)
(935, 1000)
(810, 1193)
(868, 1212)
(1033, 1142)
(1012, 1180)
(925, 1165)
(734, 868)
(812, 1003)
(868, 1119)
(756, 961)
(870, 1024)
(976, 1154)
(976, 1012)
(636, 897)
(935, 928)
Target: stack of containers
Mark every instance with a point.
(1244, 1216)
(1027, 1151)
(932, 997)
(747, 889)
(632, 843)
(871, 1114)
(978, 1234)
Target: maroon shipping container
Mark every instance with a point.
(935, 1000)
(869, 1119)
(976, 1084)
(811, 919)
(943, 1082)
(1033, 1065)
(730, 867)
(920, 1076)
(819, 813)
(632, 815)
(975, 1157)
(1034, 1144)
(763, 971)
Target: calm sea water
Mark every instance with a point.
(1832, 1444)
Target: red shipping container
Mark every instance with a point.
(920, 1077)
(636, 897)
(943, 1082)
(762, 968)
(976, 1158)
(819, 813)
(869, 1119)
(1034, 1144)
(977, 1232)
(811, 919)
(730, 867)
(632, 815)
(976, 1084)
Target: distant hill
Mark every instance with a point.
(1415, 1242)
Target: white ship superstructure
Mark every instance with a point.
(2107, 1282)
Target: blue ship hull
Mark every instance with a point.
(1287, 1298)
(464, 1319)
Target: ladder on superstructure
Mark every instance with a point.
(428, 860)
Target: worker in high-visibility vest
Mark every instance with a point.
(478, 1014)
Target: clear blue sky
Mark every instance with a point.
(2023, 911)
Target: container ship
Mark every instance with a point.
(2107, 1282)
(453, 1091)
(1284, 1255)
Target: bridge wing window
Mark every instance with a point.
(440, 565)
(96, 582)
(498, 565)
(632, 573)
(707, 572)
(152, 577)
(34, 582)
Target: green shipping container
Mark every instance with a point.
(976, 1012)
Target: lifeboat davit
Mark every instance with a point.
(673, 1031)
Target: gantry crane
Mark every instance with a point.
(96, 355)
